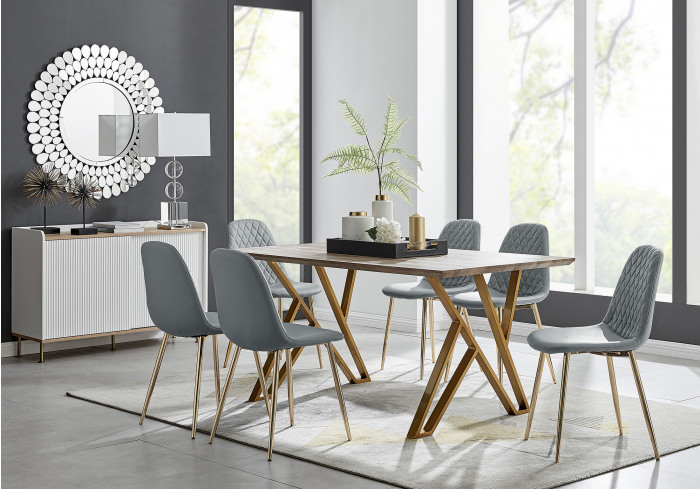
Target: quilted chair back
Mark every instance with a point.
(462, 234)
(251, 233)
(631, 309)
(528, 239)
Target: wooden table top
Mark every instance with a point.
(456, 263)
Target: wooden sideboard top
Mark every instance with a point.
(67, 235)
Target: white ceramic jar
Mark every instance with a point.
(355, 226)
(383, 207)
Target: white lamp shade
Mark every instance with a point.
(174, 135)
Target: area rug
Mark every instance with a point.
(476, 445)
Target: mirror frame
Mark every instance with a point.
(74, 69)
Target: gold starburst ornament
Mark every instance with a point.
(84, 191)
(46, 188)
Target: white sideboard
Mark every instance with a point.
(67, 287)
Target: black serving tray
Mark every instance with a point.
(384, 250)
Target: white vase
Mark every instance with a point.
(355, 226)
(383, 207)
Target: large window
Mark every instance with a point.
(632, 151)
(267, 162)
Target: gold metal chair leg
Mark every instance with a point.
(154, 376)
(224, 394)
(613, 388)
(643, 401)
(562, 404)
(19, 347)
(275, 388)
(424, 315)
(261, 379)
(386, 333)
(217, 375)
(280, 308)
(533, 399)
(432, 331)
(538, 320)
(318, 347)
(338, 389)
(114, 346)
(499, 360)
(197, 384)
(290, 385)
(228, 352)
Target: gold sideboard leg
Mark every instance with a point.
(41, 352)
(114, 347)
(19, 347)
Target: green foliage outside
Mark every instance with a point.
(541, 139)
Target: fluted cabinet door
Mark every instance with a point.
(65, 287)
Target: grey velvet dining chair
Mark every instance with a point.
(462, 234)
(252, 233)
(625, 327)
(248, 318)
(530, 239)
(175, 309)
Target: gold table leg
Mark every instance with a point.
(341, 313)
(419, 427)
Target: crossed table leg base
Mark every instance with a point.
(501, 330)
(340, 310)
(420, 427)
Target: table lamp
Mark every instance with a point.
(174, 135)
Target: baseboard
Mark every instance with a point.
(9, 348)
(651, 347)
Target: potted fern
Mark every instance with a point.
(382, 160)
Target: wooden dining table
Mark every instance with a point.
(455, 263)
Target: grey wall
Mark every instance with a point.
(362, 50)
(182, 43)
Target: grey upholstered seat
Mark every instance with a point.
(625, 327)
(248, 318)
(175, 309)
(462, 234)
(251, 233)
(529, 239)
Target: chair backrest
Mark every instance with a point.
(528, 239)
(631, 309)
(247, 313)
(251, 233)
(171, 296)
(462, 234)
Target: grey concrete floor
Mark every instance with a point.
(51, 440)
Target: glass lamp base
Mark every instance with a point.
(173, 215)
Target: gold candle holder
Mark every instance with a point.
(416, 232)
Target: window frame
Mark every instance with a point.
(305, 126)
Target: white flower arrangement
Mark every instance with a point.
(386, 231)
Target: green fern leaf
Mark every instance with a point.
(354, 119)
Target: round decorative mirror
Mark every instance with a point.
(64, 116)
